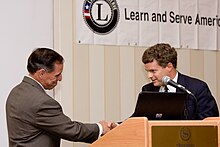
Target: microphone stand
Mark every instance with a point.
(195, 105)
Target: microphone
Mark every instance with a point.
(167, 81)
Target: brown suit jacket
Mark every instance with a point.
(34, 119)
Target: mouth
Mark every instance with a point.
(154, 80)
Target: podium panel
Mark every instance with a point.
(193, 133)
(184, 136)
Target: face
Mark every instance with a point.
(50, 80)
(156, 72)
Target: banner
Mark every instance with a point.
(189, 24)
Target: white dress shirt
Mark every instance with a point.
(170, 88)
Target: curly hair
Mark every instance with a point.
(163, 53)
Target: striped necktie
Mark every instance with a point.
(166, 89)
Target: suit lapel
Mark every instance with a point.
(180, 81)
(154, 88)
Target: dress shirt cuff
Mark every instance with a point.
(100, 129)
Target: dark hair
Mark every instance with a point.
(43, 58)
(163, 53)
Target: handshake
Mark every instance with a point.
(107, 126)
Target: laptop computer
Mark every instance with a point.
(160, 105)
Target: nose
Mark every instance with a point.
(60, 78)
(149, 75)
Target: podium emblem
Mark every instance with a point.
(185, 133)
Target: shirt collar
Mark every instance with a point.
(171, 88)
(36, 81)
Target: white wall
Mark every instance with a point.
(24, 25)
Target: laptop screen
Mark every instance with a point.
(160, 105)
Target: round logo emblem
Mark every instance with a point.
(101, 16)
(185, 134)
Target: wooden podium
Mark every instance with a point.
(139, 132)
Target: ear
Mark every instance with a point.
(41, 72)
(170, 66)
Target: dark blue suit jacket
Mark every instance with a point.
(206, 104)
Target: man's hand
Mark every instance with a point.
(107, 126)
(112, 125)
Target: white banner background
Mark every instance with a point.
(139, 32)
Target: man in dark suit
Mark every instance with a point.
(161, 60)
(34, 119)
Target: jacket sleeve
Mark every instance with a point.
(50, 117)
(206, 104)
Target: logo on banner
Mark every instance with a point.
(101, 16)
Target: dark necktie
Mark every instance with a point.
(166, 89)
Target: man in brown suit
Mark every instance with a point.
(34, 119)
